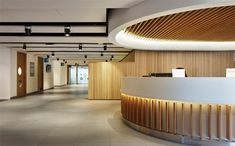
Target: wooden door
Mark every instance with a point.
(21, 74)
(40, 74)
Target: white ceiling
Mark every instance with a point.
(58, 11)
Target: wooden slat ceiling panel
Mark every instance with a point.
(211, 24)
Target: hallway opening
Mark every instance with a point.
(77, 74)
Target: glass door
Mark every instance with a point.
(82, 75)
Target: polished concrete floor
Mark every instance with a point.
(64, 117)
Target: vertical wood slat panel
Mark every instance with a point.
(200, 122)
(159, 116)
(228, 122)
(167, 116)
(219, 121)
(182, 118)
(209, 121)
(191, 120)
(147, 111)
(142, 112)
(154, 113)
(174, 118)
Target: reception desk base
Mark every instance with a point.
(181, 122)
(186, 140)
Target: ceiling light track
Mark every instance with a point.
(54, 34)
(82, 51)
(92, 24)
(56, 43)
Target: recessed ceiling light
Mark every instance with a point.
(67, 30)
(80, 47)
(27, 30)
(105, 47)
(24, 46)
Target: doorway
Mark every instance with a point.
(40, 74)
(21, 74)
(78, 74)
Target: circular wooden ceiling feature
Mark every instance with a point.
(211, 24)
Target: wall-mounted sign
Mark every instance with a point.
(230, 72)
(32, 68)
(48, 68)
(178, 73)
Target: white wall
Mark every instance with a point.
(5, 73)
(32, 82)
(60, 73)
(13, 72)
(48, 77)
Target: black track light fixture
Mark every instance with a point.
(111, 59)
(58, 59)
(112, 56)
(24, 46)
(106, 60)
(105, 47)
(85, 56)
(101, 54)
(80, 47)
(67, 30)
(48, 56)
(53, 54)
(65, 62)
(28, 30)
(84, 62)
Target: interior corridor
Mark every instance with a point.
(64, 117)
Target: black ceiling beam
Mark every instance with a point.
(93, 24)
(71, 47)
(82, 51)
(56, 43)
(55, 34)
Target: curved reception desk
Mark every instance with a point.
(184, 110)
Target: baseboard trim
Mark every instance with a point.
(32, 93)
(2, 100)
(60, 85)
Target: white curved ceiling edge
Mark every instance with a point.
(122, 18)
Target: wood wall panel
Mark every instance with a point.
(105, 78)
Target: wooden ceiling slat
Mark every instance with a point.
(211, 24)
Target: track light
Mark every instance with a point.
(105, 47)
(111, 59)
(84, 62)
(65, 62)
(67, 30)
(24, 46)
(112, 56)
(53, 54)
(48, 56)
(106, 60)
(58, 59)
(28, 30)
(80, 47)
(101, 54)
(85, 56)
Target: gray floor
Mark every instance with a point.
(64, 117)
